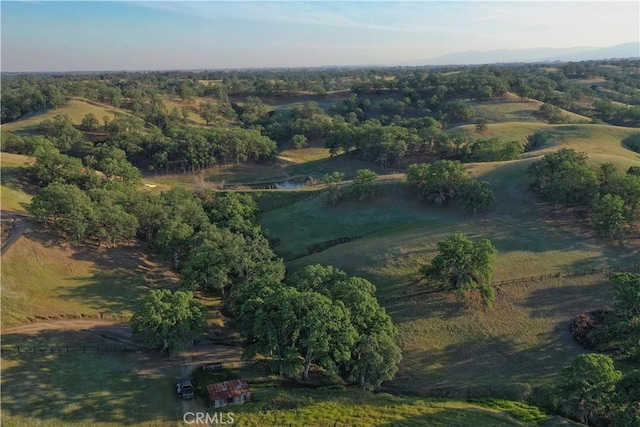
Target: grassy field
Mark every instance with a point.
(512, 109)
(16, 192)
(85, 389)
(41, 277)
(450, 350)
(76, 109)
(135, 389)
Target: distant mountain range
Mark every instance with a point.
(542, 54)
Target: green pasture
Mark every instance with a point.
(82, 389)
(42, 277)
(16, 191)
(76, 109)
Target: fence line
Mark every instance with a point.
(635, 267)
(59, 349)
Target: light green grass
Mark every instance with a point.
(113, 389)
(363, 409)
(40, 278)
(512, 109)
(15, 191)
(82, 389)
(449, 350)
(76, 109)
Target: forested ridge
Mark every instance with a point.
(421, 126)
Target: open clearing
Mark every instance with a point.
(76, 109)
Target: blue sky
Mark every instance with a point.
(145, 35)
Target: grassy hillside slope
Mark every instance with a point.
(76, 109)
(16, 192)
(448, 349)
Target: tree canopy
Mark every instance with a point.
(168, 319)
(463, 265)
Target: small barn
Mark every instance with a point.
(232, 392)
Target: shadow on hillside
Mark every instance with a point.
(569, 300)
(486, 366)
(116, 281)
(439, 305)
(82, 386)
(113, 291)
(457, 417)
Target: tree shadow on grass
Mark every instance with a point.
(569, 300)
(439, 305)
(487, 367)
(459, 417)
(82, 386)
(116, 283)
(114, 292)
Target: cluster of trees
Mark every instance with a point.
(593, 392)
(462, 265)
(620, 331)
(319, 316)
(613, 197)
(445, 180)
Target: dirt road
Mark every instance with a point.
(19, 224)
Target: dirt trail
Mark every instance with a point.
(19, 224)
(120, 333)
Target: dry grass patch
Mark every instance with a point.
(43, 278)
(76, 109)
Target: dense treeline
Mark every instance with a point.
(591, 390)
(392, 117)
(611, 196)
(318, 317)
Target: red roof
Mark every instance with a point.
(227, 389)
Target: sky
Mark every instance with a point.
(167, 35)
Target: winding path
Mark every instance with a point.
(20, 223)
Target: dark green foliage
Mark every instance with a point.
(536, 141)
(438, 181)
(446, 180)
(609, 215)
(168, 319)
(90, 123)
(53, 167)
(475, 196)
(627, 398)
(112, 162)
(110, 222)
(374, 356)
(585, 389)
(632, 142)
(363, 185)
(62, 132)
(333, 181)
(67, 208)
(552, 114)
(299, 141)
(563, 177)
(462, 265)
(621, 330)
(493, 150)
(232, 210)
(220, 258)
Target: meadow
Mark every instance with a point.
(459, 361)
